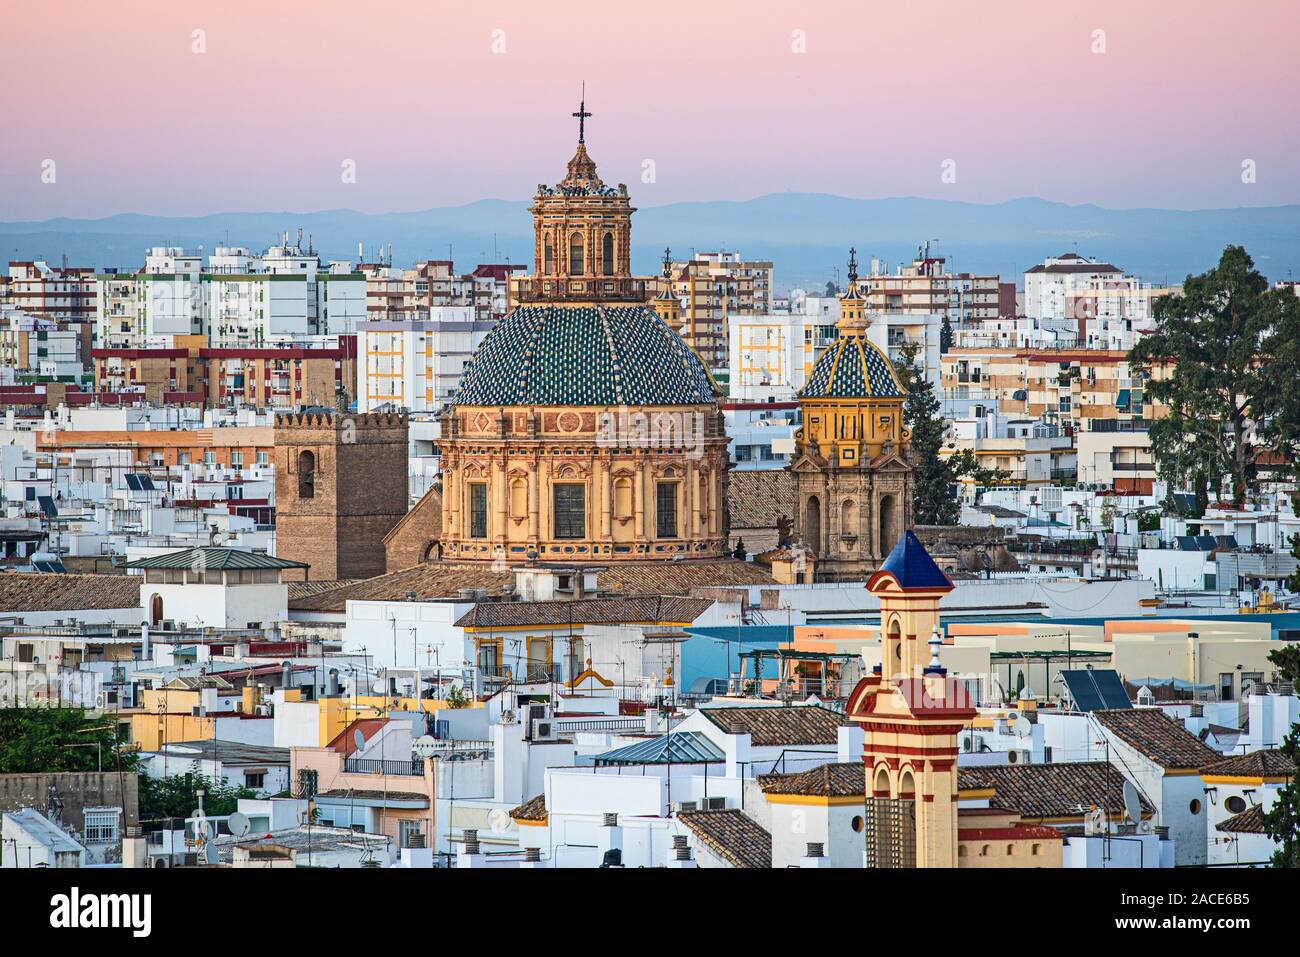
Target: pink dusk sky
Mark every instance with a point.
(712, 92)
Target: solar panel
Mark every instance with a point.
(1208, 543)
(53, 567)
(1095, 689)
(47, 506)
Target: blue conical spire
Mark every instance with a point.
(912, 565)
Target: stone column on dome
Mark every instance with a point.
(638, 494)
(534, 480)
(601, 466)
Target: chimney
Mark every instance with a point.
(470, 855)
(532, 858)
(816, 856)
(610, 837)
(680, 855)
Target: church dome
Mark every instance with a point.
(597, 355)
(852, 367)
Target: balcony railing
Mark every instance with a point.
(413, 766)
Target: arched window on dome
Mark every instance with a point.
(607, 254)
(548, 255)
(576, 265)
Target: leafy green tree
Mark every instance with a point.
(1212, 361)
(1282, 821)
(933, 475)
(51, 740)
(945, 336)
(176, 796)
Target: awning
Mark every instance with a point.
(1122, 401)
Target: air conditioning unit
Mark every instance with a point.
(545, 731)
(1018, 757)
(685, 806)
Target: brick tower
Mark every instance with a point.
(340, 487)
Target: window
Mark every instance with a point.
(255, 779)
(570, 501)
(1195, 806)
(306, 474)
(102, 825)
(607, 254)
(478, 510)
(856, 824)
(236, 460)
(548, 256)
(489, 658)
(407, 830)
(308, 783)
(666, 509)
(1235, 804)
(1226, 686)
(576, 265)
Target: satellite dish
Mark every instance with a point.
(1132, 803)
(359, 739)
(1022, 727)
(238, 824)
(424, 746)
(378, 687)
(499, 820)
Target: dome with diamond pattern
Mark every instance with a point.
(593, 355)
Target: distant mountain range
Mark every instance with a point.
(806, 234)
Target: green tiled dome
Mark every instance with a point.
(584, 355)
(852, 367)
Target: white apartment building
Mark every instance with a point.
(241, 299)
(927, 287)
(1095, 303)
(416, 364)
(36, 346)
(771, 355)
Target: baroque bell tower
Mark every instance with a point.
(911, 712)
(854, 481)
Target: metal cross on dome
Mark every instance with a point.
(582, 115)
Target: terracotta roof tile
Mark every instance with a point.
(1249, 821)
(534, 809)
(444, 580)
(756, 498)
(1159, 737)
(587, 611)
(828, 780)
(1265, 763)
(21, 591)
(731, 834)
(1066, 789)
(785, 726)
